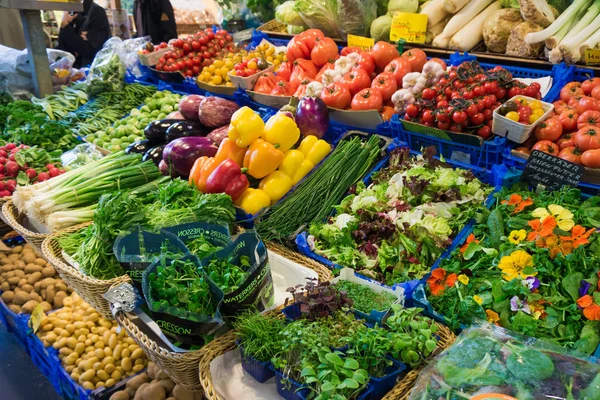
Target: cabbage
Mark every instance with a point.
(355, 16)
(337, 18)
(320, 15)
(295, 29)
(380, 28)
(286, 15)
(407, 6)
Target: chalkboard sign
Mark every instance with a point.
(550, 171)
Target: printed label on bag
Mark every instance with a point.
(410, 27)
(360, 41)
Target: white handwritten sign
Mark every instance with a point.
(550, 171)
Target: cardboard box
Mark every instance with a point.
(151, 59)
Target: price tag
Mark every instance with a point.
(360, 41)
(550, 171)
(410, 27)
(592, 56)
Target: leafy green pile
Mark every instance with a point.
(202, 247)
(226, 275)
(483, 361)
(532, 267)
(365, 299)
(396, 228)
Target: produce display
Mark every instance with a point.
(90, 348)
(394, 229)
(529, 267)
(27, 280)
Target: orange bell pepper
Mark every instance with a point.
(228, 150)
(201, 170)
(262, 158)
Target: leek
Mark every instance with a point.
(591, 42)
(569, 47)
(564, 18)
(554, 40)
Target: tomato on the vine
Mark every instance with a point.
(428, 94)
(472, 110)
(441, 116)
(459, 117)
(477, 119)
(479, 91)
(488, 114)
(443, 125)
(428, 116)
(485, 131)
(412, 110)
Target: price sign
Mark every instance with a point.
(550, 171)
(360, 41)
(410, 27)
(592, 56)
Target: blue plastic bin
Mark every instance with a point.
(261, 371)
(367, 394)
(17, 324)
(380, 386)
(288, 388)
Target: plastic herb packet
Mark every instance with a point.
(488, 362)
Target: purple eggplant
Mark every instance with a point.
(312, 117)
(186, 128)
(141, 147)
(183, 152)
(154, 154)
(156, 132)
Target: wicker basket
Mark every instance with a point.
(2, 217)
(273, 26)
(15, 220)
(182, 368)
(90, 289)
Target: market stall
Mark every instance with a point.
(299, 219)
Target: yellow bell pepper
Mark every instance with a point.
(276, 185)
(262, 158)
(295, 165)
(314, 149)
(253, 200)
(246, 126)
(281, 131)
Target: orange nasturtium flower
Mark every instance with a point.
(517, 201)
(585, 301)
(470, 238)
(542, 229)
(592, 312)
(492, 316)
(438, 281)
(579, 236)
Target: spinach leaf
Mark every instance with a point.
(571, 284)
(470, 352)
(530, 365)
(589, 338)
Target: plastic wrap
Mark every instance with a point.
(338, 18)
(107, 72)
(81, 155)
(489, 362)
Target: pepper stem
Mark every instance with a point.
(244, 170)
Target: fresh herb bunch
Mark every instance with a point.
(226, 275)
(201, 247)
(412, 336)
(259, 334)
(370, 347)
(17, 113)
(395, 229)
(365, 299)
(179, 284)
(319, 299)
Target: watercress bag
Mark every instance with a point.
(256, 291)
(489, 362)
(190, 328)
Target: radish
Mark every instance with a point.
(12, 168)
(11, 185)
(15, 150)
(10, 146)
(2, 185)
(50, 166)
(5, 193)
(43, 176)
(2, 176)
(11, 157)
(3, 160)
(54, 172)
(1, 169)
(31, 173)
(3, 153)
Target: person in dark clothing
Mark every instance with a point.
(83, 35)
(155, 18)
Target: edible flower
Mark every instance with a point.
(517, 304)
(438, 281)
(492, 316)
(517, 201)
(462, 278)
(564, 217)
(470, 239)
(542, 229)
(591, 310)
(531, 282)
(478, 299)
(579, 236)
(517, 236)
(514, 265)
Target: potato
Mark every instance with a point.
(48, 272)
(27, 287)
(29, 258)
(16, 250)
(135, 383)
(168, 385)
(116, 375)
(160, 375)
(126, 364)
(33, 278)
(34, 296)
(7, 268)
(88, 385)
(44, 283)
(87, 375)
(47, 307)
(5, 286)
(58, 299)
(121, 395)
(15, 308)
(153, 391)
(28, 307)
(140, 390)
(61, 286)
(31, 268)
(8, 297)
(137, 368)
(19, 273)
(21, 298)
(13, 280)
(181, 394)
(152, 370)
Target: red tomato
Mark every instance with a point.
(559, 106)
(589, 85)
(417, 58)
(302, 69)
(356, 80)
(349, 50)
(367, 99)
(596, 93)
(325, 50)
(484, 131)
(336, 96)
(297, 49)
(439, 61)
(285, 70)
(546, 146)
(383, 53)
(386, 83)
(572, 154)
(309, 37)
(324, 68)
(566, 140)
(587, 103)
(301, 89)
(588, 138)
(550, 129)
(387, 113)
(266, 82)
(366, 62)
(568, 119)
(283, 88)
(589, 117)
(399, 67)
(591, 158)
(568, 92)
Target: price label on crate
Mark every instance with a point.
(592, 56)
(360, 41)
(410, 27)
(550, 171)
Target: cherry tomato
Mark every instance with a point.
(428, 116)
(524, 114)
(441, 116)
(459, 117)
(500, 93)
(479, 91)
(477, 119)
(443, 125)
(428, 94)
(412, 110)
(472, 110)
(488, 114)
(515, 91)
(485, 131)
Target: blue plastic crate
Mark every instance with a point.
(367, 394)
(380, 386)
(17, 324)
(46, 360)
(288, 388)
(260, 371)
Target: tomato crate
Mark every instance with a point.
(564, 76)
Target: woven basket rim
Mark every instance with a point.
(10, 212)
(273, 26)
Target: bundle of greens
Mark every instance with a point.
(396, 228)
(58, 105)
(532, 267)
(365, 299)
(226, 275)
(490, 361)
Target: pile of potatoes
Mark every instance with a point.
(89, 346)
(154, 384)
(26, 279)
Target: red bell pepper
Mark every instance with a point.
(227, 178)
